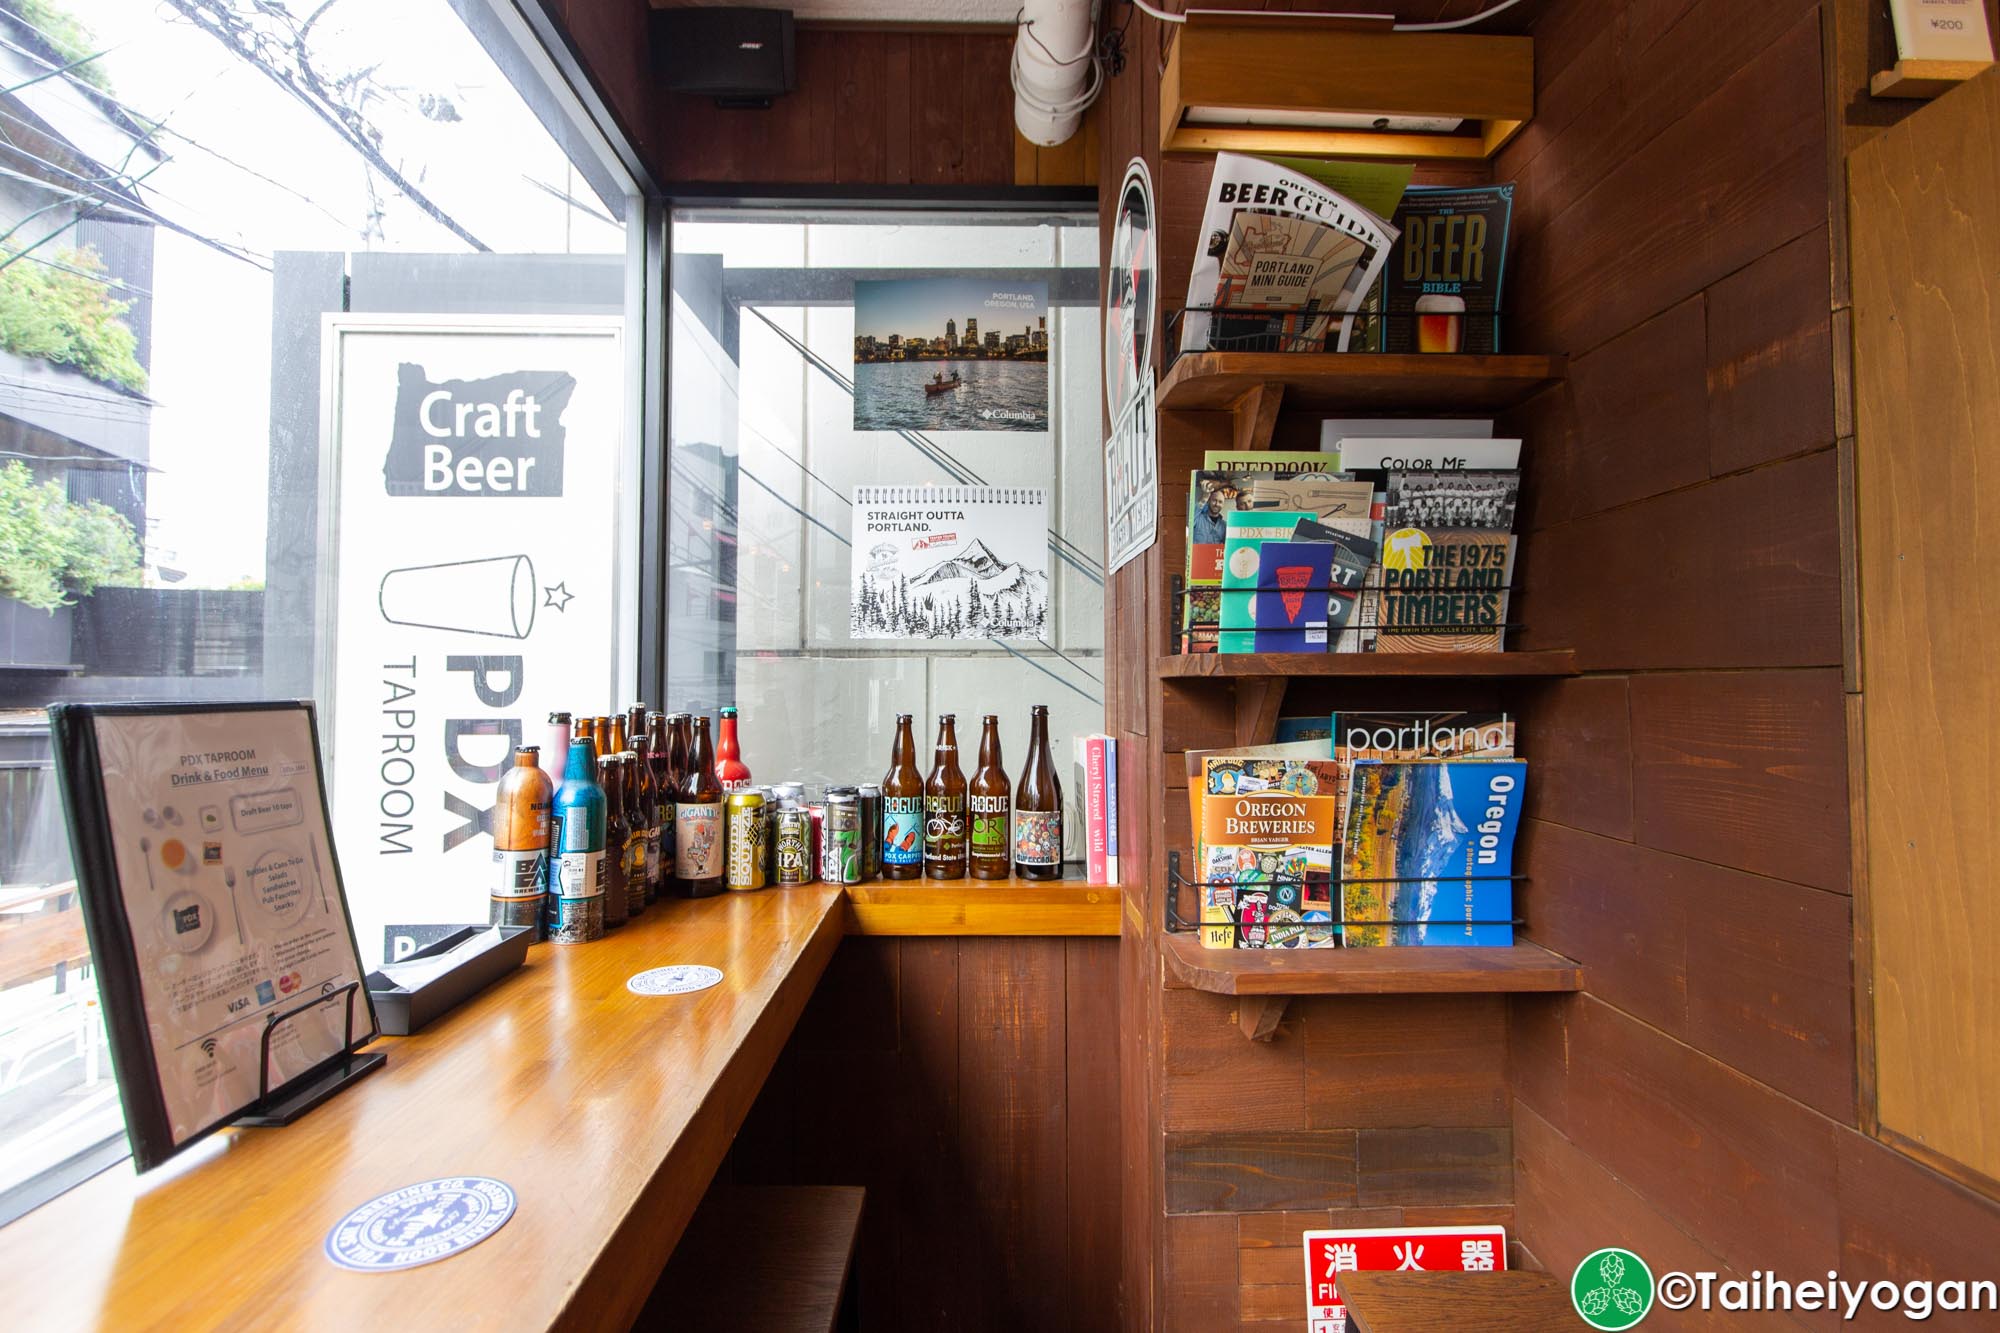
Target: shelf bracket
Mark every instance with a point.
(1261, 1014)
(1255, 417)
(1258, 699)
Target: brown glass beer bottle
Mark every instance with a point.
(660, 761)
(944, 807)
(902, 831)
(990, 799)
(617, 830)
(698, 820)
(1038, 818)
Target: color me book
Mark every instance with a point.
(1429, 852)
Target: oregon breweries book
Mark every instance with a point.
(1429, 852)
(1283, 257)
(1267, 871)
(1443, 591)
(1441, 286)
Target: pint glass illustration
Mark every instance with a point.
(494, 596)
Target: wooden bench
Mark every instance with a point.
(1513, 1302)
(762, 1259)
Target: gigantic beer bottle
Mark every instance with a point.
(944, 807)
(730, 770)
(698, 820)
(902, 831)
(521, 842)
(1038, 819)
(990, 798)
(576, 869)
(617, 831)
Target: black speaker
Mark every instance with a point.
(740, 57)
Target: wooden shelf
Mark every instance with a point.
(983, 907)
(1260, 666)
(1924, 79)
(1359, 381)
(1406, 970)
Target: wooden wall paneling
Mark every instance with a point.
(1686, 207)
(1746, 769)
(1260, 1170)
(1011, 1116)
(1198, 1288)
(1215, 1080)
(860, 123)
(1747, 1169)
(1435, 1166)
(1091, 1080)
(1377, 1062)
(929, 1195)
(897, 154)
(1771, 358)
(1741, 572)
(1579, 734)
(1924, 253)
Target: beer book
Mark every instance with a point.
(1428, 857)
(1267, 870)
(1440, 290)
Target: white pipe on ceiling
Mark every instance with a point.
(1055, 70)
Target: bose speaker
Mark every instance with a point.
(740, 57)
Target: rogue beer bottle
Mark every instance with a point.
(902, 831)
(990, 798)
(521, 842)
(617, 832)
(698, 850)
(1038, 820)
(730, 770)
(944, 807)
(576, 870)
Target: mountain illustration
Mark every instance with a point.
(972, 594)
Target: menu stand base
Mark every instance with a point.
(301, 1096)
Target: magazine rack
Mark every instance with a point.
(1256, 931)
(1180, 629)
(1287, 331)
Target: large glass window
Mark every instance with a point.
(196, 198)
(769, 447)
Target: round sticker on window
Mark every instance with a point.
(680, 979)
(420, 1223)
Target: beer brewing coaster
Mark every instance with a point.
(419, 1224)
(680, 979)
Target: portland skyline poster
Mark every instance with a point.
(954, 353)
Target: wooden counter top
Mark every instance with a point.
(607, 1112)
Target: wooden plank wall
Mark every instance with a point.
(970, 1085)
(1680, 237)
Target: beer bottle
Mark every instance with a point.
(730, 770)
(944, 807)
(680, 749)
(1038, 807)
(601, 733)
(635, 724)
(902, 830)
(656, 824)
(990, 797)
(576, 897)
(698, 820)
(673, 755)
(521, 842)
(555, 749)
(611, 777)
(639, 827)
(620, 742)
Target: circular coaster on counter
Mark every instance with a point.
(420, 1224)
(680, 979)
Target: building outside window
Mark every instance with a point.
(189, 191)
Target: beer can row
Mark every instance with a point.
(772, 838)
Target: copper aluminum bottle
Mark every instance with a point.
(902, 831)
(1038, 819)
(611, 777)
(989, 798)
(521, 842)
(698, 828)
(944, 807)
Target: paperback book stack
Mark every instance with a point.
(1388, 829)
(1395, 536)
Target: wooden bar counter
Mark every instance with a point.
(607, 1112)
